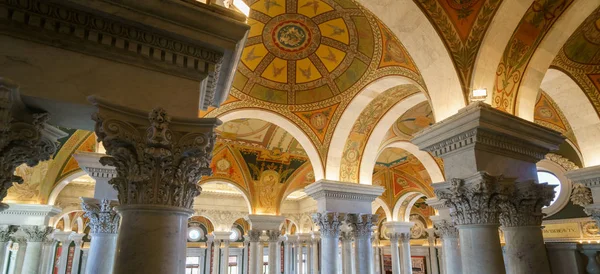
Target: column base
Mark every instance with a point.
(151, 239)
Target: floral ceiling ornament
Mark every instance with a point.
(158, 161)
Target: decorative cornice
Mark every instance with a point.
(31, 210)
(524, 206)
(343, 191)
(476, 199)
(90, 163)
(565, 163)
(103, 218)
(589, 176)
(159, 160)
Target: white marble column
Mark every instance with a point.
(405, 262)
(104, 224)
(48, 253)
(279, 258)
(216, 255)
(273, 238)
(432, 251)
(159, 161)
(84, 257)
(245, 257)
(362, 225)
(316, 238)
(287, 255)
(6, 232)
(221, 265)
(298, 247)
(18, 255)
(450, 248)
(35, 236)
(346, 240)
(292, 254)
(254, 236)
(329, 224)
(225, 257)
(65, 240)
(308, 243)
(394, 237)
(78, 240)
(521, 220)
(209, 251)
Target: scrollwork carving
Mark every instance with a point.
(103, 219)
(273, 235)
(445, 229)
(581, 195)
(524, 207)
(36, 233)
(254, 235)
(362, 224)
(156, 164)
(329, 223)
(7, 231)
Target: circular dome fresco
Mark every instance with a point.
(305, 51)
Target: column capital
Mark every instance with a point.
(475, 199)
(35, 233)
(62, 236)
(77, 238)
(329, 223)
(316, 235)
(144, 147)
(7, 231)
(405, 237)
(362, 224)
(346, 236)
(445, 229)
(273, 235)
(524, 206)
(103, 218)
(397, 229)
(254, 235)
(25, 137)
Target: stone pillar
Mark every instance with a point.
(432, 251)
(291, 253)
(279, 258)
(35, 236)
(273, 237)
(84, 257)
(216, 255)
(287, 253)
(104, 224)
(6, 232)
(309, 250)
(245, 257)
(330, 224)
(375, 259)
(225, 257)
(362, 225)
(405, 261)
(19, 258)
(25, 137)
(316, 238)
(300, 252)
(394, 237)
(346, 239)
(65, 240)
(78, 240)
(521, 220)
(159, 160)
(482, 146)
(451, 249)
(48, 253)
(260, 223)
(207, 260)
(254, 236)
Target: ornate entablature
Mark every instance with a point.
(108, 30)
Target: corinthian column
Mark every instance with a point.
(104, 223)
(330, 233)
(450, 248)
(346, 239)
(25, 137)
(254, 236)
(6, 232)
(35, 236)
(362, 225)
(522, 225)
(394, 237)
(159, 161)
(273, 237)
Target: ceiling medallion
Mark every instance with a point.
(291, 36)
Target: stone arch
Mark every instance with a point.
(494, 42)
(80, 227)
(380, 203)
(579, 112)
(287, 125)
(414, 30)
(242, 191)
(304, 222)
(401, 213)
(545, 53)
(62, 184)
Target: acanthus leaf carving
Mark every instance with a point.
(103, 218)
(524, 207)
(7, 231)
(329, 223)
(445, 229)
(36, 233)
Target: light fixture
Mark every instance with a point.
(478, 95)
(242, 6)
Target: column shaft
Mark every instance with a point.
(208, 256)
(3, 255)
(101, 256)
(346, 239)
(451, 255)
(254, 236)
(31, 262)
(216, 257)
(315, 254)
(273, 236)
(395, 253)
(309, 257)
(225, 257)
(525, 245)
(480, 249)
(406, 263)
(362, 248)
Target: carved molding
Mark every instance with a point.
(346, 236)
(103, 218)
(254, 235)
(329, 223)
(273, 235)
(25, 137)
(476, 199)
(581, 195)
(7, 231)
(36, 233)
(362, 224)
(158, 162)
(524, 207)
(565, 163)
(445, 229)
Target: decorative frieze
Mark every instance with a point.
(158, 162)
(476, 199)
(25, 137)
(103, 218)
(445, 229)
(524, 206)
(36, 233)
(329, 223)
(7, 231)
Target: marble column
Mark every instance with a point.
(279, 258)
(159, 161)
(346, 239)
(216, 256)
(329, 224)
(104, 224)
(65, 240)
(48, 253)
(209, 251)
(254, 236)
(432, 251)
(405, 261)
(292, 266)
(25, 137)
(35, 236)
(225, 257)
(298, 246)
(521, 218)
(84, 257)
(19, 256)
(394, 237)
(78, 240)
(6, 232)
(273, 238)
(362, 225)
(375, 254)
(309, 258)
(451, 249)
(245, 257)
(316, 238)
